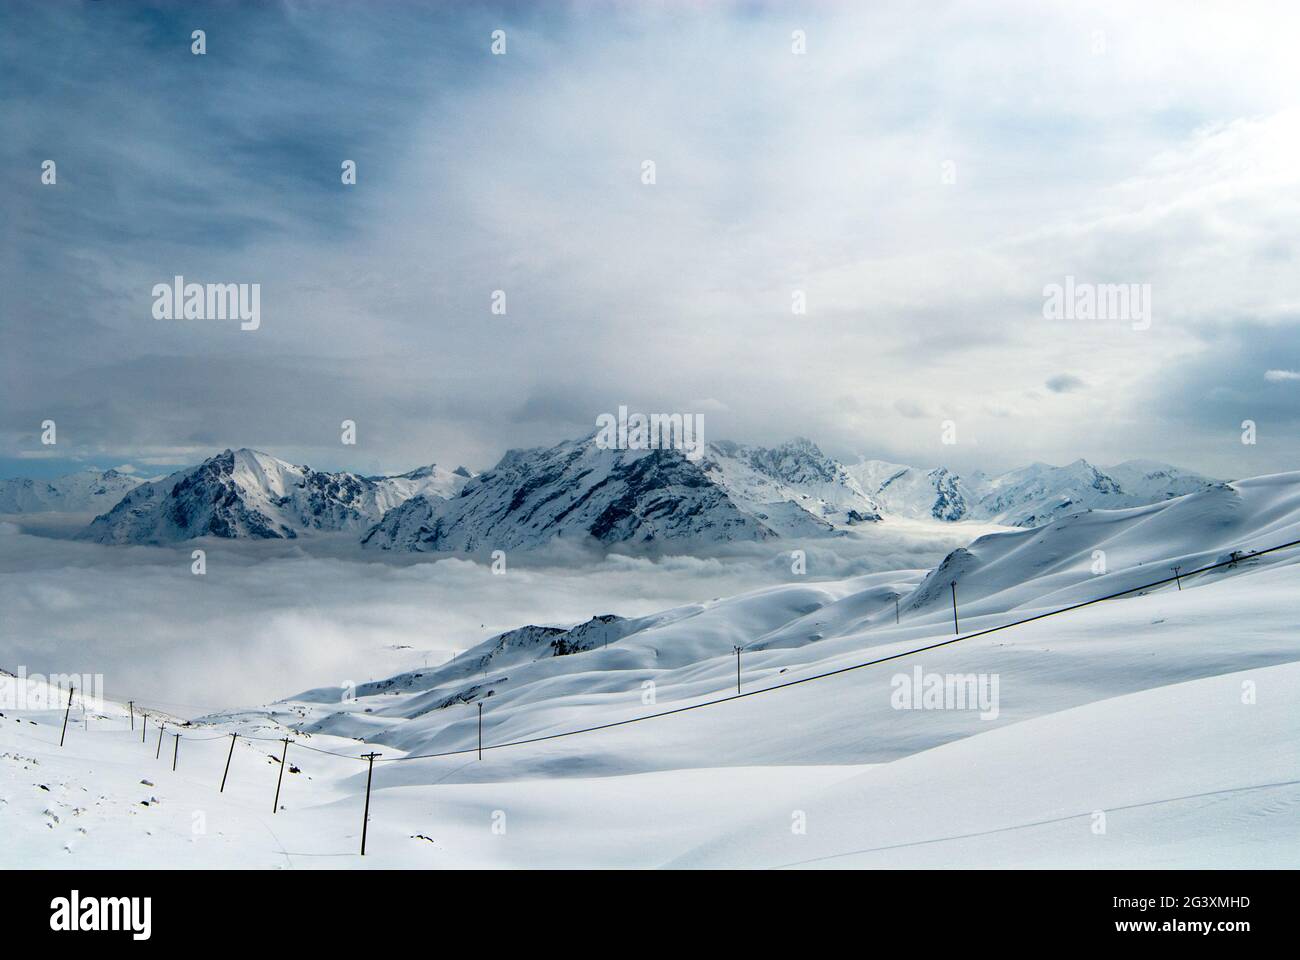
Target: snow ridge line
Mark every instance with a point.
(839, 670)
(788, 683)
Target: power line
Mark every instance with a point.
(1235, 558)
(857, 666)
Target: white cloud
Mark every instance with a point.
(270, 619)
(1162, 159)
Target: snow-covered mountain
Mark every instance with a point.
(78, 492)
(248, 494)
(1154, 481)
(904, 491)
(761, 479)
(1027, 497)
(433, 481)
(579, 490)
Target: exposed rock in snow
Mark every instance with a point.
(763, 479)
(578, 490)
(245, 493)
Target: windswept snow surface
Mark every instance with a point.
(1169, 711)
(1190, 774)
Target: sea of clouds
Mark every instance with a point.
(270, 619)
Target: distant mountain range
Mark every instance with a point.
(577, 490)
(248, 494)
(1027, 497)
(78, 492)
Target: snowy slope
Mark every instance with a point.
(78, 492)
(248, 494)
(1094, 786)
(1170, 711)
(688, 651)
(1024, 795)
(1098, 552)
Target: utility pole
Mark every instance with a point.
(131, 705)
(895, 609)
(65, 715)
(158, 753)
(955, 628)
(480, 729)
(228, 756)
(365, 819)
(737, 649)
(276, 805)
(1177, 579)
(176, 746)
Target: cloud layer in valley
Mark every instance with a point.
(270, 619)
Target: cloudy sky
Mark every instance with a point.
(920, 178)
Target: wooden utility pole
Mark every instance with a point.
(158, 753)
(176, 746)
(65, 715)
(365, 819)
(955, 627)
(276, 806)
(228, 756)
(144, 725)
(737, 649)
(480, 729)
(1177, 578)
(131, 705)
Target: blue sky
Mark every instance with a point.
(1117, 145)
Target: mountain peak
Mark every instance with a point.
(247, 493)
